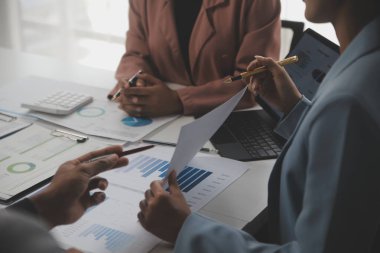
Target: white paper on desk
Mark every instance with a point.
(33, 155)
(9, 127)
(194, 135)
(100, 118)
(113, 227)
(105, 119)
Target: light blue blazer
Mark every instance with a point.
(324, 190)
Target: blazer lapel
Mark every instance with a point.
(202, 31)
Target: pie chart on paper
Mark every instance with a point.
(22, 167)
(136, 122)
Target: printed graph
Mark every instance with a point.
(91, 112)
(115, 241)
(148, 166)
(136, 122)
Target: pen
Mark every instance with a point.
(132, 83)
(258, 70)
(170, 144)
(124, 153)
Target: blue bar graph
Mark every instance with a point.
(147, 165)
(115, 241)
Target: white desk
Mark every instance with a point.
(236, 206)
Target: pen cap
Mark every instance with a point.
(289, 60)
(133, 80)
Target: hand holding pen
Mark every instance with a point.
(131, 82)
(275, 85)
(259, 70)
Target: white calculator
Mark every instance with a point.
(60, 103)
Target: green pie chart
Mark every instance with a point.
(22, 167)
(91, 112)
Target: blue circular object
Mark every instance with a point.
(136, 122)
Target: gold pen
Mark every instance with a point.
(132, 83)
(258, 70)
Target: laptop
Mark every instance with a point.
(249, 135)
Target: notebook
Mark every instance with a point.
(249, 135)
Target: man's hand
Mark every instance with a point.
(163, 213)
(150, 98)
(68, 196)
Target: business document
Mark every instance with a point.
(112, 226)
(33, 155)
(100, 118)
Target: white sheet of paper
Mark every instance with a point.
(100, 118)
(195, 134)
(9, 127)
(113, 227)
(33, 155)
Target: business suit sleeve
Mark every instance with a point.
(200, 234)
(25, 206)
(137, 55)
(288, 123)
(20, 233)
(340, 205)
(260, 26)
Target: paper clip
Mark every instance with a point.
(72, 136)
(6, 117)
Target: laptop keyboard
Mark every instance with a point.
(256, 136)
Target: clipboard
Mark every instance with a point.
(72, 136)
(6, 117)
(10, 124)
(30, 158)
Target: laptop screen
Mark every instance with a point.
(316, 56)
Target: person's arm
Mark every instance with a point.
(278, 89)
(262, 25)
(66, 198)
(25, 206)
(340, 207)
(137, 55)
(21, 233)
(63, 201)
(290, 121)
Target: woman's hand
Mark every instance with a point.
(274, 86)
(164, 212)
(150, 98)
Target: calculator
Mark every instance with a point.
(59, 103)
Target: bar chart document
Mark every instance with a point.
(112, 226)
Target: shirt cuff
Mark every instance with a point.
(289, 122)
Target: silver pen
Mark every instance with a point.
(132, 83)
(170, 144)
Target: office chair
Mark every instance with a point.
(291, 32)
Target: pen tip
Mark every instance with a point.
(109, 96)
